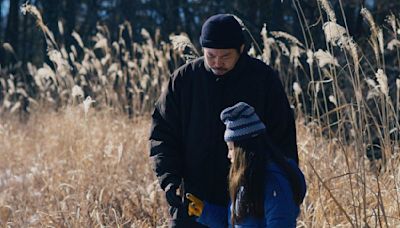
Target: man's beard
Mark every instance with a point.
(219, 71)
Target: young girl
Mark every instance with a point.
(265, 188)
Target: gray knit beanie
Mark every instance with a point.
(241, 122)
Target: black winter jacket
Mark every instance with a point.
(187, 134)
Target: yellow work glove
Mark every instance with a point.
(195, 206)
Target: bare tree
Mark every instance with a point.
(12, 33)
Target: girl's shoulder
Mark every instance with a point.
(273, 168)
(277, 180)
(279, 205)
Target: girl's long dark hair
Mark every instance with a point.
(248, 172)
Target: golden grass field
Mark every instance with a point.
(61, 169)
(73, 168)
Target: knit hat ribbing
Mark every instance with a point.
(241, 122)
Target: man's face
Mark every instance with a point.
(221, 61)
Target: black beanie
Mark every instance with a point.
(221, 31)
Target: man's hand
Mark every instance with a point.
(172, 197)
(195, 206)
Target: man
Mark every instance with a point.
(187, 136)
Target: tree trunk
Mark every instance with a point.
(1, 21)
(51, 9)
(24, 46)
(70, 14)
(11, 35)
(90, 19)
(277, 13)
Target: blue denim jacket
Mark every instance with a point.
(280, 210)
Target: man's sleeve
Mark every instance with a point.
(165, 138)
(280, 121)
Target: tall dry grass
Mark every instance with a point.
(344, 188)
(96, 172)
(64, 170)
(122, 74)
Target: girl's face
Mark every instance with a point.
(231, 152)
